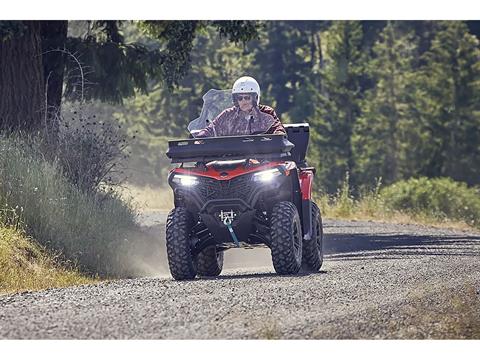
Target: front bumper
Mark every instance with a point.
(242, 224)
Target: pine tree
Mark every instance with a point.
(382, 137)
(339, 107)
(287, 58)
(449, 103)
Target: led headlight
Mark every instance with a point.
(266, 175)
(184, 180)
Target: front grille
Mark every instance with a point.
(239, 187)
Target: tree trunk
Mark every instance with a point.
(21, 81)
(54, 36)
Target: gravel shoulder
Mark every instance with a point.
(378, 281)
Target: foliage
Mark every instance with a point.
(212, 69)
(448, 102)
(440, 198)
(283, 60)
(118, 67)
(11, 28)
(438, 201)
(90, 150)
(89, 228)
(114, 70)
(382, 136)
(339, 106)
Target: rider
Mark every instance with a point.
(247, 116)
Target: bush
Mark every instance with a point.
(89, 151)
(90, 228)
(440, 198)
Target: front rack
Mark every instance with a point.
(268, 147)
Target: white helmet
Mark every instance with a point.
(247, 84)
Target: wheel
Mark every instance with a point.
(180, 260)
(286, 238)
(313, 248)
(210, 262)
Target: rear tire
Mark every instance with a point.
(180, 260)
(313, 248)
(210, 262)
(286, 238)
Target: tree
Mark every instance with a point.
(383, 134)
(339, 108)
(288, 57)
(116, 68)
(216, 64)
(449, 103)
(21, 76)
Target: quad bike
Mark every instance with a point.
(241, 191)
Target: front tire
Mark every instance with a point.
(180, 260)
(313, 248)
(286, 238)
(210, 262)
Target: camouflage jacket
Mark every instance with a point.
(233, 121)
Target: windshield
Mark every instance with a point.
(214, 102)
(232, 123)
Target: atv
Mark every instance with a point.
(241, 191)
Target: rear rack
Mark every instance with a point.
(268, 147)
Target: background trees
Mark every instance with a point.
(394, 99)
(34, 56)
(382, 136)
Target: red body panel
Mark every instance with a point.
(230, 174)
(306, 180)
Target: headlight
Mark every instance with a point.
(266, 175)
(184, 180)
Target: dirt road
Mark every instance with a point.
(378, 281)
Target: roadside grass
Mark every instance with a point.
(26, 266)
(96, 230)
(441, 203)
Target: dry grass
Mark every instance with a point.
(147, 197)
(361, 212)
(25, 266)
(371, 206)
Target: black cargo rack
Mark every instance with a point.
(268, 147)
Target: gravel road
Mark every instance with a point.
(378, 281)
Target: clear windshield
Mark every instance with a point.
(233, 123)
(214, 102)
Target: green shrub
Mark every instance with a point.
(440, 198)
(89, 228)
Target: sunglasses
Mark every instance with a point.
(244, 97)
